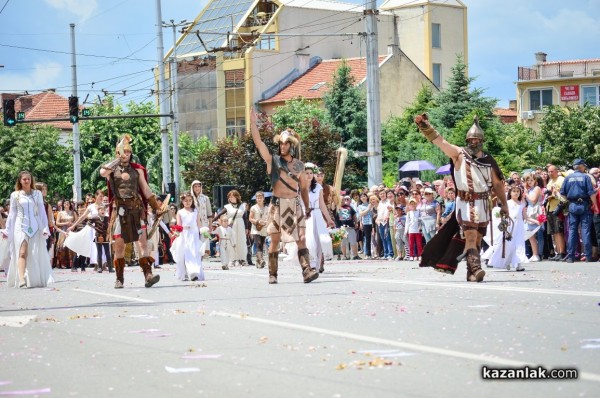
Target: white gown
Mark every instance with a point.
(185, 247)
(514, 251)
(27, 221)
(238, 236)
(317, 236)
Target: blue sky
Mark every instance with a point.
(35, 42)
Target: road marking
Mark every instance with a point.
(483, 359)
(17, 321)
(477, 286)
(115, 295)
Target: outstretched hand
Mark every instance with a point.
(422, 121)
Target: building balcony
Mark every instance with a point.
(560, 70)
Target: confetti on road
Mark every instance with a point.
(181, 370)
(25, 392)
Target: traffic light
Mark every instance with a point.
(74, 109)
(172, 192)
(8, 108)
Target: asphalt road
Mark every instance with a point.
(363, 329)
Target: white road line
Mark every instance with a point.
(478, 286)
(483, 359)
(114, 295)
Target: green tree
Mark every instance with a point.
(347, 114)
(569, 133)
(35, 148)
(99, 139)
(298, 114)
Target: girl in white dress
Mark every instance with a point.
(318, 241)
(27, 231)
(185, 247)
(236, 213)
(514, 250)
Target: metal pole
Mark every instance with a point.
(175, 110)
(373, 115)
(166, 165)
(76, 143)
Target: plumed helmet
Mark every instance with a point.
(289, 135)
(475, 131)
(124, 144)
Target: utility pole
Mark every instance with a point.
(174, 103)
(76, 142)
(373, 114)
(164, 132)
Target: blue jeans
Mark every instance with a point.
(585, 220)
(386, 239)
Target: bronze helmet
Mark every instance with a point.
(475, 131)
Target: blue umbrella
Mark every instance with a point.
(417, 165)
(445, 169)
(267, 195)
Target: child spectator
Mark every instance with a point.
(225, 243)
(400, 223)
(412, 230)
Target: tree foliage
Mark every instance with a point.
(35, 148)
(99, 138)
(347, 114)
(297, 114)
(569, 133)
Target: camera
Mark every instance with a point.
(559, 209)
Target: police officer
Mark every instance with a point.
(579, 191)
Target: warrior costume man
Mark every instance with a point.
(287, 221)
(475, 174)
(129, 196)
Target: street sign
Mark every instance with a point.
(20, 116)
(85, 112)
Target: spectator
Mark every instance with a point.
(365, 214)
(429, 215)
(554, 212)
(345, 215)
(579, 190)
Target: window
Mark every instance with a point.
(591, 95)
(266, 42)
(235, 110)
(539, 99)
(436, 35)
(437, 75)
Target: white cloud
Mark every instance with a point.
(43, 76)
(82, 8)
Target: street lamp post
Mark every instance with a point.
(175, 94)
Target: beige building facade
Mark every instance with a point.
(562, 83)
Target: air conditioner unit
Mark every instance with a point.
(527, 115)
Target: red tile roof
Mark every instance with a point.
(318, 78)
(505, 112)
(46, 105)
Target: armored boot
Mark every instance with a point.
(146, 265)
(308, 273)
(474, 271)
(260, 261)
(120, 269)
(273, 265)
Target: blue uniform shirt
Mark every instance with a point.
(577, 186)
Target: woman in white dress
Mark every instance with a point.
(185, 247)
(236, 213)
(82, 242)
(27, 231)
(318, 241)
(514, 250)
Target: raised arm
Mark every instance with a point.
(452, 151)
(260, 145)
